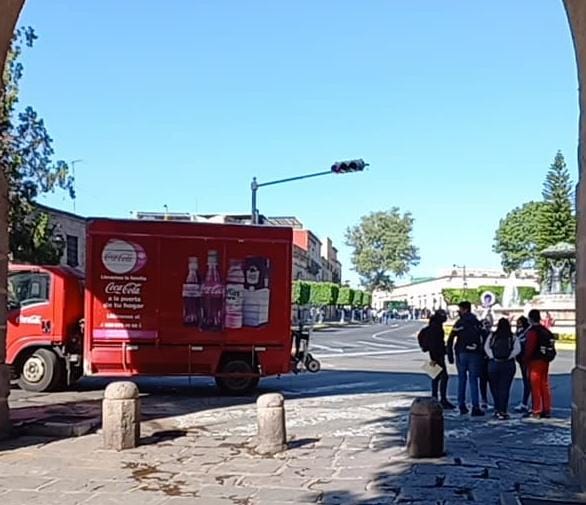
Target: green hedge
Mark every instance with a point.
(346, 296)
(301, 292)
(328, 293)
(323, 293)
(473, 295)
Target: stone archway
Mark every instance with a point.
(9, 12)
(576, 10)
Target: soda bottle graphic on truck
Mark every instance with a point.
(234, 295)
(213, 296)
(192, 295)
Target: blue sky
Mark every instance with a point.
(458, 106)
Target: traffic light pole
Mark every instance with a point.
(255, 185)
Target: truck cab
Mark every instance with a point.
(45, 314)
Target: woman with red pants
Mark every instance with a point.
(538, 367)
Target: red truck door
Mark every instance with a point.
(31, 313)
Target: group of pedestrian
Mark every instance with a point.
(487, 358)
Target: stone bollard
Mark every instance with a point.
(426, 429)
(272, 433)
(121, 416)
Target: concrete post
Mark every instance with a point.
(426, 429)
(272, 434)
(121, 416)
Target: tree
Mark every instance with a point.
(531, 228)
(557, 220)
(382, 247)
(517, 236)
(26, 151)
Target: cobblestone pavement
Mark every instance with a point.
(344, 449)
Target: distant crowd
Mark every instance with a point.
(487, 358)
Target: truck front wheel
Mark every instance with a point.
(237, 385)
(41, 371)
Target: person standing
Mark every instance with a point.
(521, 334)
(465, 342)
(539, 352)
(501, 348)
(432, 339)
(487, 324)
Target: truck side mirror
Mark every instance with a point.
(13, 305)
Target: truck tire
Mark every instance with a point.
(41, 371)
(236, 386)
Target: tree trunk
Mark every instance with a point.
(576, 10)
(9, 11)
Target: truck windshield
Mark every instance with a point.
(27, 288)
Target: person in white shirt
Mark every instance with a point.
(501, 347)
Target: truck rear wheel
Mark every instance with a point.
(41, 371)
(237, 385)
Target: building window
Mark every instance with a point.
(72, 251)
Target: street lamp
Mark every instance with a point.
(339, 167)
(464, 281)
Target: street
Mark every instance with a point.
(346, 426)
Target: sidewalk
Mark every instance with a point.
(345, 449)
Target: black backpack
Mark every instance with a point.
(502, 346)
(423, 339)
(546, 344)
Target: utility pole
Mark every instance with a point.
(340, 167)
(464, 280)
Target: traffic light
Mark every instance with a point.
(343, 167)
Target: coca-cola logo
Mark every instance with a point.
(121, 257)
(116, 288)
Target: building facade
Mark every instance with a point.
(71, 230)
(312, 260)
(331, 268)
(427, 293)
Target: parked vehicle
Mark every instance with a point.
(158, 298)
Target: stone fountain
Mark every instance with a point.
(558, 287)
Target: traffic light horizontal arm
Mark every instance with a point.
(290, 179)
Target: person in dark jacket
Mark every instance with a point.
(522, 329)
(466, 340)
(436, 346)
(502, 347)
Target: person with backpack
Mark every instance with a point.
(466, 342)
(432, 340)
(539, 353)
(501, 348)
(521, 334)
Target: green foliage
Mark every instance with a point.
(453, 296)
(358, 300)
(301, 292)
(496, 290)
(346, 296)
(367, 299)
(323, 293)
(26, 157)
(33, 241)
(527, 293)
(382, 246)
(517, 236)
(474, 295)
(531, 228)
(557, 221)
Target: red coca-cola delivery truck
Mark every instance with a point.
(157, 298)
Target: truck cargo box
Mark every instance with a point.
(167, 298)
